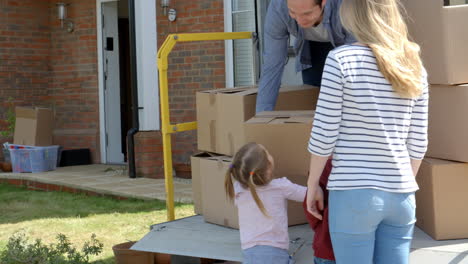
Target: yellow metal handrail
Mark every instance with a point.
(167, 127)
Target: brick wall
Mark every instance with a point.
(42, 64)
(24, 54)
(193, 67)
(74, 78)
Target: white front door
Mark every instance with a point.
(110, 52)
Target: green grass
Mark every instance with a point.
(45, 214)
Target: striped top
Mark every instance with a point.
(370, 130)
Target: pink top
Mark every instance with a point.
(258, 229)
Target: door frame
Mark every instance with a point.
(148, 84)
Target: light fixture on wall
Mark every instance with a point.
(62, 16)
(172, 14)
(165, 6)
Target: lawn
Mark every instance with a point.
(46, 214)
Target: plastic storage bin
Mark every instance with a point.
(33, 159)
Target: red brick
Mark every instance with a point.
(15, 182)
(68, 189)
(53, 187)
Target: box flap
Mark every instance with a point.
(244, 91)
(282, 117)
(260, 120)
(205, 154)
(236, 90)
(276, 114)
(25, 112)
(220, 158)
(299, 119)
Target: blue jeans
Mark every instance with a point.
(323, 261)
(319, 52)
(369, 226)
(266, 255)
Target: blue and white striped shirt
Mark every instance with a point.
(371, 131)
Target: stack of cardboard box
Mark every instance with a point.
(443, 178)
(226, 121)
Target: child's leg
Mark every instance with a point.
(265, 255)
(394, 234)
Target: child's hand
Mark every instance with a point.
(315, 201)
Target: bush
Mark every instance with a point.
(9, 121)
(20, 251)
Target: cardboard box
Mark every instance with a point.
(441, 199)
(217, 208)
(197, 179)
(286, 135)
(448, 122)
(443, 35)
(221, 114)
(33, 126)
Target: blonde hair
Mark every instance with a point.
(380, 25)
(250, 167)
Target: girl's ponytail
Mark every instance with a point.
(228, 184)
(253, 191)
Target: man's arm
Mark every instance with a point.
(274, 57)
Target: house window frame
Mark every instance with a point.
(229, 45)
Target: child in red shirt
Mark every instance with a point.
(322, 246)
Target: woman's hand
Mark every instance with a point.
(315, 200)
(314, 192)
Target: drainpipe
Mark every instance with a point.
(134, 86)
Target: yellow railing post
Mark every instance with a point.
(167, 128)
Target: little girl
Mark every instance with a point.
(262, 205)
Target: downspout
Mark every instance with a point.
(134, 86)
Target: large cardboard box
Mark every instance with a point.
(286, 135)
(448, 122)
(221, 114)
(217, 208)
(33, 126)
(197, 179)
(443, 35)
(441, 200)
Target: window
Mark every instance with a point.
(455, 2)
(244, 54)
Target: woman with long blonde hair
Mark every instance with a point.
(372, 118)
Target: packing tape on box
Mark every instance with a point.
(213, 135)
(231, 143)
(212, 99)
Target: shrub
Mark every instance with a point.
(9, 121)
(20, 251)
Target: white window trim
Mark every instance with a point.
(228, 46)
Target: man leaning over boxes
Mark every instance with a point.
(317, 28)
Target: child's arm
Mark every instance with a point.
(293, 191)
